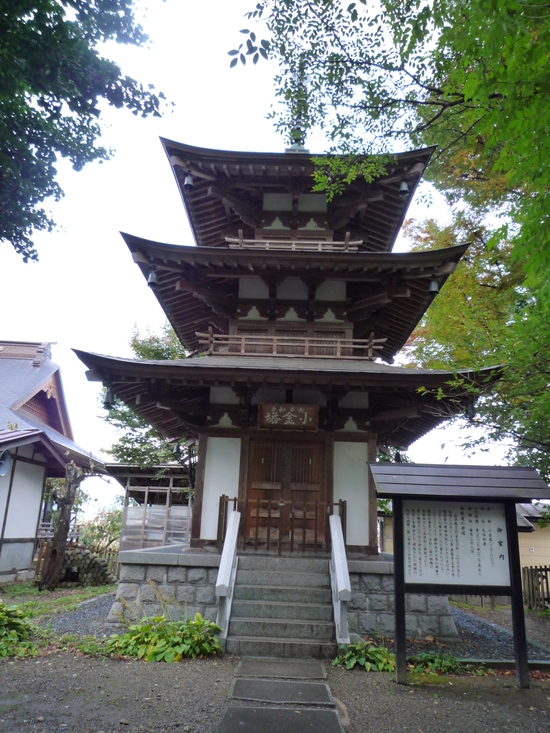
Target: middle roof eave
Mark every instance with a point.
(218, 270)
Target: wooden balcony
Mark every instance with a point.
(291, 346)
(293, 244)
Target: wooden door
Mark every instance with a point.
(286, 494)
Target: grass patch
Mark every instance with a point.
(44, 604)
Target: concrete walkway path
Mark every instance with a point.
(274, 695)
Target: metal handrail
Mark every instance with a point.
(340, 580)
(227, 572)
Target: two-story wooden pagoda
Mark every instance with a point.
(292, 310)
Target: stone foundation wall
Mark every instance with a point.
(372, 605)
(186, 583)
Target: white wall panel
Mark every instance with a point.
(351, 485)
(221, 476)
(26, 495)
(4, 487)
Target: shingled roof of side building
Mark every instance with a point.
(32, 401)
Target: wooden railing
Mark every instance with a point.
(308, 346)
(536, 587)
(293, 245)
(276, 525)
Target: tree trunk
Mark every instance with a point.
(51, 575)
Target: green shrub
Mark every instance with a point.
(15, 632)
(157, 639)
(364, 653)
(435, 663)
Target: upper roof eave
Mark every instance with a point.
(209, 218)
(275, 158)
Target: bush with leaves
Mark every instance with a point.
(15, 631)
(370, 657)
(436, 663)
(102, 531)
(158, 639)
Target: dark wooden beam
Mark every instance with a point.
(248, 213)
(221, 308)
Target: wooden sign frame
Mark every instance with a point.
(272, 416)
(514, 589)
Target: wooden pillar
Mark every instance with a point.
(373, 505)
(518, 617)
(199, 488)
(243, 481)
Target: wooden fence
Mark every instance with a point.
(536, 587)
(45, 548)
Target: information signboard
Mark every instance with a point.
(455, 543)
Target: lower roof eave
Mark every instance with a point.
(261, 369)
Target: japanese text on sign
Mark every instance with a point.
(288, 417)
(461, 543)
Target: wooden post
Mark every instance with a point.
(199, 489)
(373, 504)
(399, 590)
(518, 618)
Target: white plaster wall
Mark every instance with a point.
(223, 396)
(309, 397)
(253, 287)
(221, 476)
(27, 451)
(292, 289)
(351, 485)
(331, 290)
(4, 486)
(355, 400)
(26, 495)
(264, 394)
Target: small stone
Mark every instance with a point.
(124, 722)
(40, 719)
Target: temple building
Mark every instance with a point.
(292, 310)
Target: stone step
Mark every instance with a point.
(247, 646)
(289, 594)
(275, 720)
(279, 609)
(293, 564)
(281, 628)
(282, 692)
(280, 578)
(281, 668)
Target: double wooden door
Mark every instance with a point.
(286, 500)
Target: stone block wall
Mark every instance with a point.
(372, 607)
(184, 590)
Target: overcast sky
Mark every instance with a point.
(85, 292)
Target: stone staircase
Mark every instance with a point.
(282, 608)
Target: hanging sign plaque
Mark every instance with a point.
(288, 417)
(457, 543)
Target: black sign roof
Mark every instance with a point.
(429, 481)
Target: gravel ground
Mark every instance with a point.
(85, 695)
(67, 692)
(87, 619)
(374, 703)
(481, 639)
